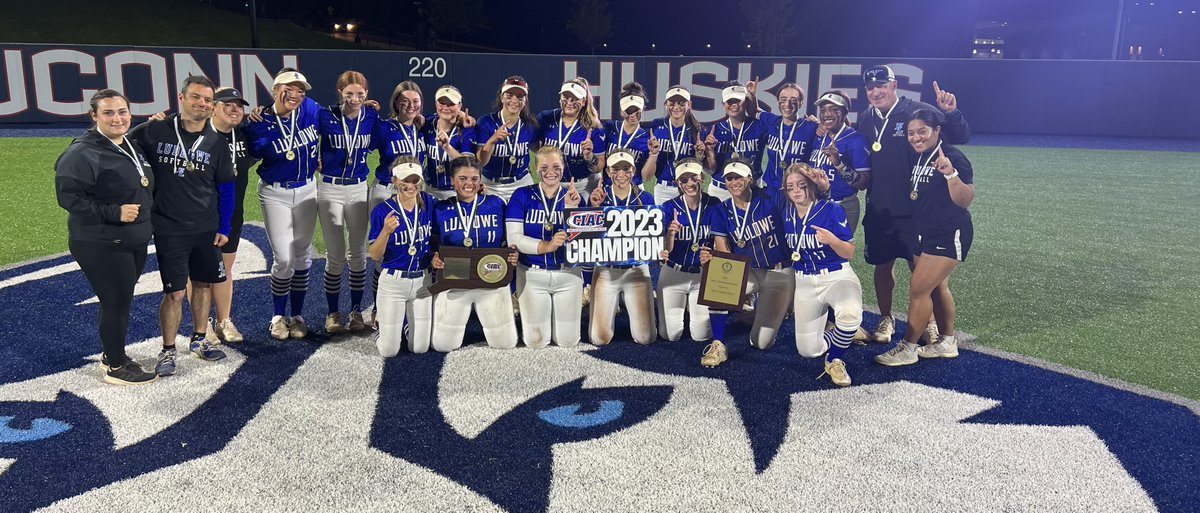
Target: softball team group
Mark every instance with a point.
(778, 189)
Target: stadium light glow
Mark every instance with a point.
(337, 26)
(350, 27)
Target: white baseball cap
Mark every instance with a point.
(291, 77)
(735, 92)
(618, 157)
(573, 89)
(513, 83)
(688, 168)
(737, 168)
(448, 93)
(679, 91)
(832, 97)
(407, 169)
(632, 101)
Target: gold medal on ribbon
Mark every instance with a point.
(440, 169)
(795, 256)
(467, 242)
(695, 247)
(512, 160)
(875, 146)
(412, 251)
(736, 155)
(291, 155)
(912, 195)
(145, 181)
(548, 226)
(741, 243)
(190, 166)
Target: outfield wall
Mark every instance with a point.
(50, 84)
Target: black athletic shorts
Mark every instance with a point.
(235, 231)
(887, 238)
(954, 243)
(188, 256)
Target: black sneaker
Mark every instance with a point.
(129, 374)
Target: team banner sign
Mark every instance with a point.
(624, 235)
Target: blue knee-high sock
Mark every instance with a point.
(299, 288)
(333, 286)
(358, 282)
(279, 295)
(718, 321)
(838, 341)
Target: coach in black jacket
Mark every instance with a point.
(106, 186)
(888, 227)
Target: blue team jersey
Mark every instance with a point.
(853, 149)
(747, 142)
(786, 144)
(299, 135)
(635, 143)
(421, 221)
(501, 166)
(709, 222)
(338, 158)
(637, 197)
(552, 132)
(675, 143)
(394, 139)
(526, 206)
(759, 227)
(486, 231)
(802, 238)
(437, 166)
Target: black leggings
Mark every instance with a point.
(112, 270)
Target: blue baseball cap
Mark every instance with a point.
(878, 75)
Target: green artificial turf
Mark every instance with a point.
(1077, 259)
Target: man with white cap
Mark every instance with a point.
(287, 141)
(888, 227)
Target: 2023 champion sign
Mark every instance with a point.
(617, 235)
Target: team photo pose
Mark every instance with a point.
(735, 136)
(821, 248)
(574, 128)
(940, 188)
(193, 206)
(752, 228)
(676, 135)
(841, 153)
(627, 133)
(789, 134)
(889, 232)
(611, 283)
(471, 220)
(510, 133)
(227, 118)
(106, 185)
(446, 139)
(549, 292)
(287, 142)
(400, 242)
(343, 197)
(694, 215)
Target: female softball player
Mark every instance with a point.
(735, 136)
(446, 139)
(841, 153)
(227, 120)
(751, 227)
(628, 134)
(510, 131)
(631, 281)
(789, 134)
(547, 290)
(672, 137)
(106, 186)
(287, 141)
(821, 246)
(941, 190)
(468, 220)
(400, 237)
(342, 196)
(574, 128)
(694, 215)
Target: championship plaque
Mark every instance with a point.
(723, 281)
(473, 268)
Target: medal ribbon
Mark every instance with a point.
(188, 153)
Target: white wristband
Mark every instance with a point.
(951, 176)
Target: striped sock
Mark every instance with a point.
(279, 295)
(333, 287)
(358, 282)
(375, 284)
(838, 341)
(299, 288)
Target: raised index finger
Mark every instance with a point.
(937, 90)
(941, 154)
